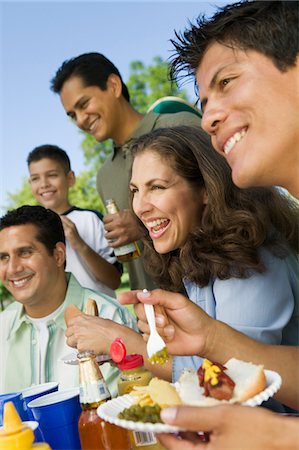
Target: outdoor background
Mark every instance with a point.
(37, 36)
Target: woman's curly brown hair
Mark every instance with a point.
(235, 223)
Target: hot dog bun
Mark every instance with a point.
(249, 378)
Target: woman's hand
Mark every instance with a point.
(185, 327)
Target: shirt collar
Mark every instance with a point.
(74, 291)
(145, 126)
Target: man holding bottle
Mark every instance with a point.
(94, 95)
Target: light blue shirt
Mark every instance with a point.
(263, 306)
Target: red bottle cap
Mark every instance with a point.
(118, 350)
(131, 362)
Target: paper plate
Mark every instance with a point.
(110, 410)
(273, 385)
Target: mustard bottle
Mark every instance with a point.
(15, 435)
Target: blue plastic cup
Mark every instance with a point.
(36, 391)
(18, 401)
(34, 425)
(58, 414)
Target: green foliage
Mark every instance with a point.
(148, 83)
(84, 193)
(21, 197)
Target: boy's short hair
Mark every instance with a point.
(48, 223)
(268, 27)
(92, 68)
(51, 152)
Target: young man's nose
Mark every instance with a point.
(81, 118)
(212, 117)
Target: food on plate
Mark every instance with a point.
(213, 383)
(236, 382)
(139, 413)
(150, 400)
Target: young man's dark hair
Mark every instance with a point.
(51, 152)
(47, 222)
(268, 27)
(92, 68)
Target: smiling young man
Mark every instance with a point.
(32, 329)
(245, 61)
(94, 95)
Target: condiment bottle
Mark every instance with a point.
(126, 252)
(95, 433)
(133, 373)
(15, 435)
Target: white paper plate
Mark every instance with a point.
(273, 385)
(110, 410)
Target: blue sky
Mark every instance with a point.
(37, 36)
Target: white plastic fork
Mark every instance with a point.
(155, 343)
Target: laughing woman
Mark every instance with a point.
(234, 250)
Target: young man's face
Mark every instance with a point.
(27, 270)
(250, 109)
(93, 110)
(50, 184)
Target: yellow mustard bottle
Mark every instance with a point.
(133, 373)
(15, 435)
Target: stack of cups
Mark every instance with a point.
(58, 414)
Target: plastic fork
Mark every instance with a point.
(155, 343)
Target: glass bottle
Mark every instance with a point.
(95, 433)
(133, 373)
(126, 252)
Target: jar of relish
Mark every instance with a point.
(133, 373)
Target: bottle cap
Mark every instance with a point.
(131, 362)
(118, 350)
(14, 434)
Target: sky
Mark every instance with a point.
(37, 36)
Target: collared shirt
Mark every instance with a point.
(113, 178)
(19, 342)
(264, 306)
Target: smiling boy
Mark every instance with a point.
(89, 256)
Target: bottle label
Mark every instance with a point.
(125, 249)
(93, 392)
(143, 438)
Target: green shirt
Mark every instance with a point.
(19, 342)
(114, 176)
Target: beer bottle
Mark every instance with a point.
(127, 252)
(95, 433)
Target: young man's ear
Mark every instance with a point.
(71, 178)
(60, 254)
(114, 83)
